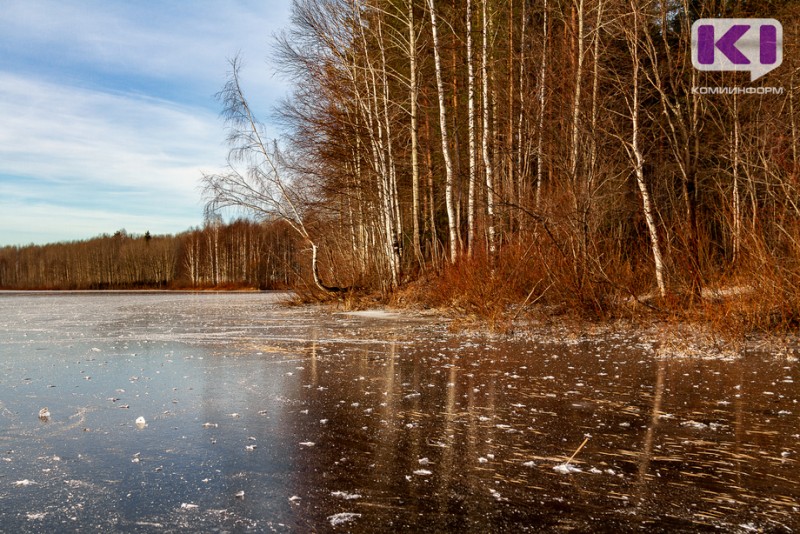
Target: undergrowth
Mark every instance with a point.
(762, 295)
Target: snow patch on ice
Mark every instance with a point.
(697, 425)
(346, 496)
(342, 518)
(566, 469)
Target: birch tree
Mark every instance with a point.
(414, 97)
(473, 166)
(634, 147)
(448, 163)
(261, 188)
(487, 132)
(542, 98)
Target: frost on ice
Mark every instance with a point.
(566, 469)
(342, 518)
(346, 496)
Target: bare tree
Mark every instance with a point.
(262, 188)
(471, 134)
(414, 96)
(634, 148)
(542, 97)
(448, 162)
(488, 162)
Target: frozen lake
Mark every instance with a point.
(261, 418)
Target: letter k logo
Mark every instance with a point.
(752, 45)
(726, 44)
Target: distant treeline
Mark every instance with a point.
(236, 255)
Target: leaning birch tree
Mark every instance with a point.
(634, 148)
(262, 187)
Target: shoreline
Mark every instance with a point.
(670, 336)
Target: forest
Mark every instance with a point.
(493, 155)
(486, 154)
(241, 254)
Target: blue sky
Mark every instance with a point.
(107, 110)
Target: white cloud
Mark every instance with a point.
(117, 155)
(60, 133)
(184, 43)
(108, 117)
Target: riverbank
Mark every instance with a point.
(721, 322)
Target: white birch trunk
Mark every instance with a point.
(521, 182)
(542, 108)
(576, 100)
(595, 104)
(395, 221)
(448, 163)
(647, 204)
(412, 57)
(472, 143)
(487, 159)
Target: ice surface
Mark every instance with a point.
(430, 428)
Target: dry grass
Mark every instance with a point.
(762, 296)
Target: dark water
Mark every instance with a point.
(334, 422)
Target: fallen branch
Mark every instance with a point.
(574, 454)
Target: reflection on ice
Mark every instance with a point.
(262, 418)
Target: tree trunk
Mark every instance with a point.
(472, 144)
(737, 205)
(448, 163)
(487, 158)
(647, 204)
(542, 108)
(412, 56)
